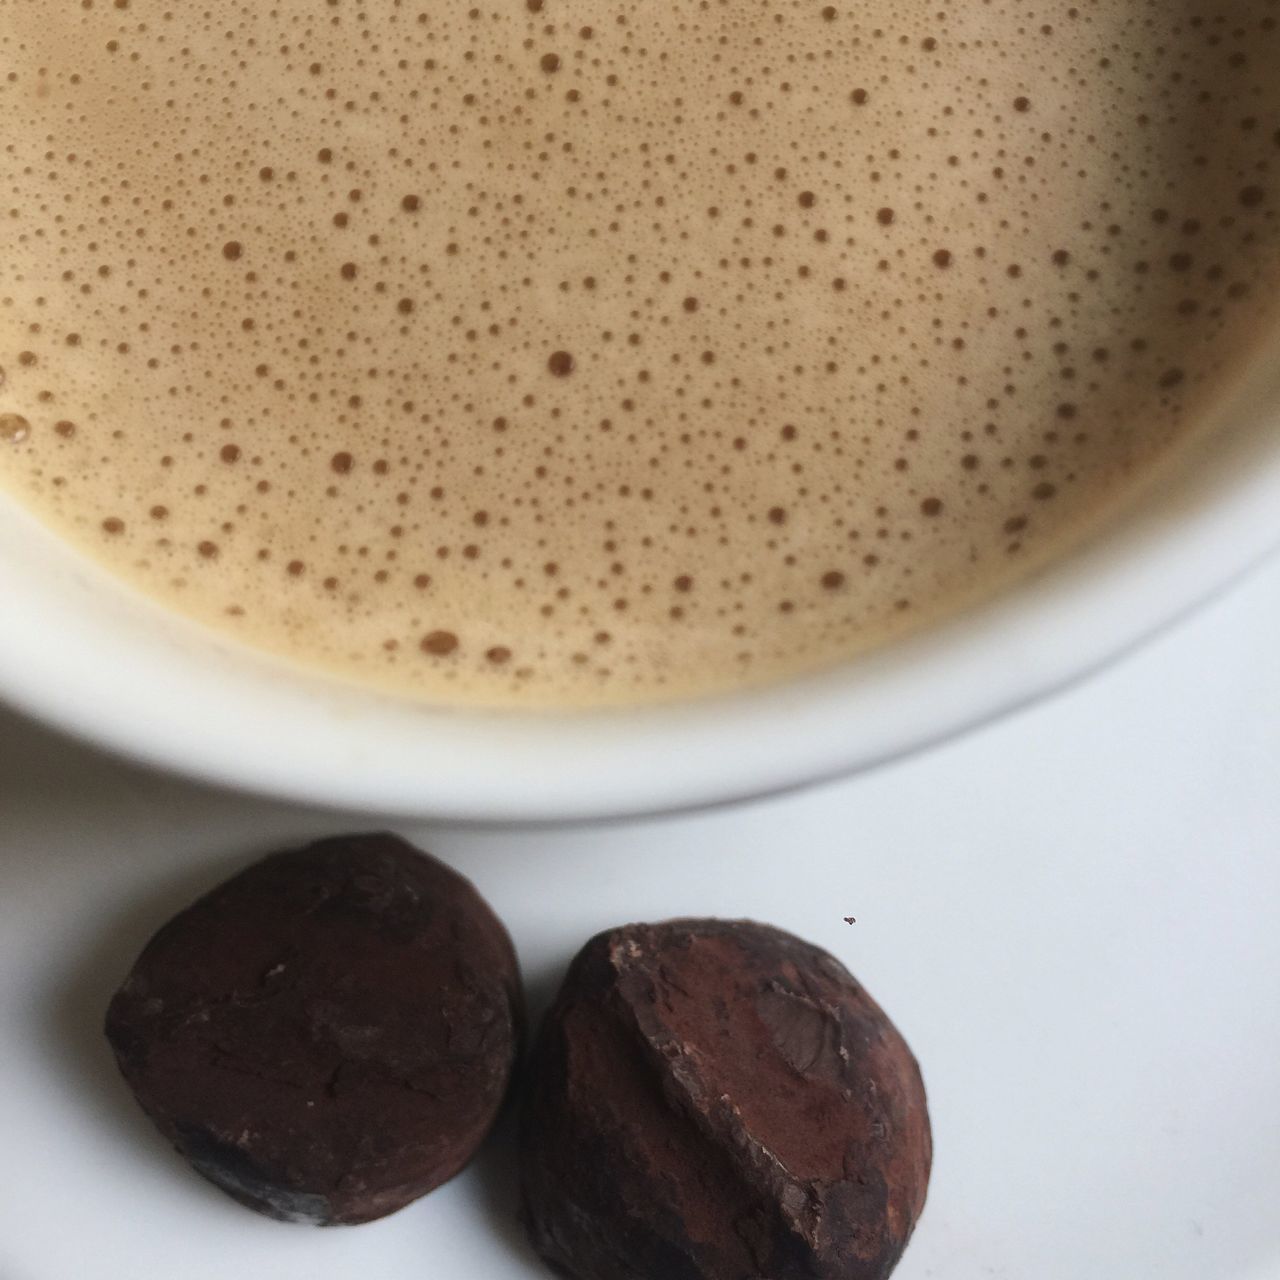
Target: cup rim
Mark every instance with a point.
(177, 697)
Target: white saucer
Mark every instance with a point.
(1071, 915)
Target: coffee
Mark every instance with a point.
(544, 354)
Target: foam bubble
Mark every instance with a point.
(14, 428)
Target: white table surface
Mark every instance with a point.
(1072, 915)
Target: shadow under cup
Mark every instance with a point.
(91, 656)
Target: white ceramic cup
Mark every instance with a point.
(84, 653)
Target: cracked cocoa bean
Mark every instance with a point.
(716, 1100)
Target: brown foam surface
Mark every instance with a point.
(544, 353)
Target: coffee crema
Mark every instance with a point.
(546, 353)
